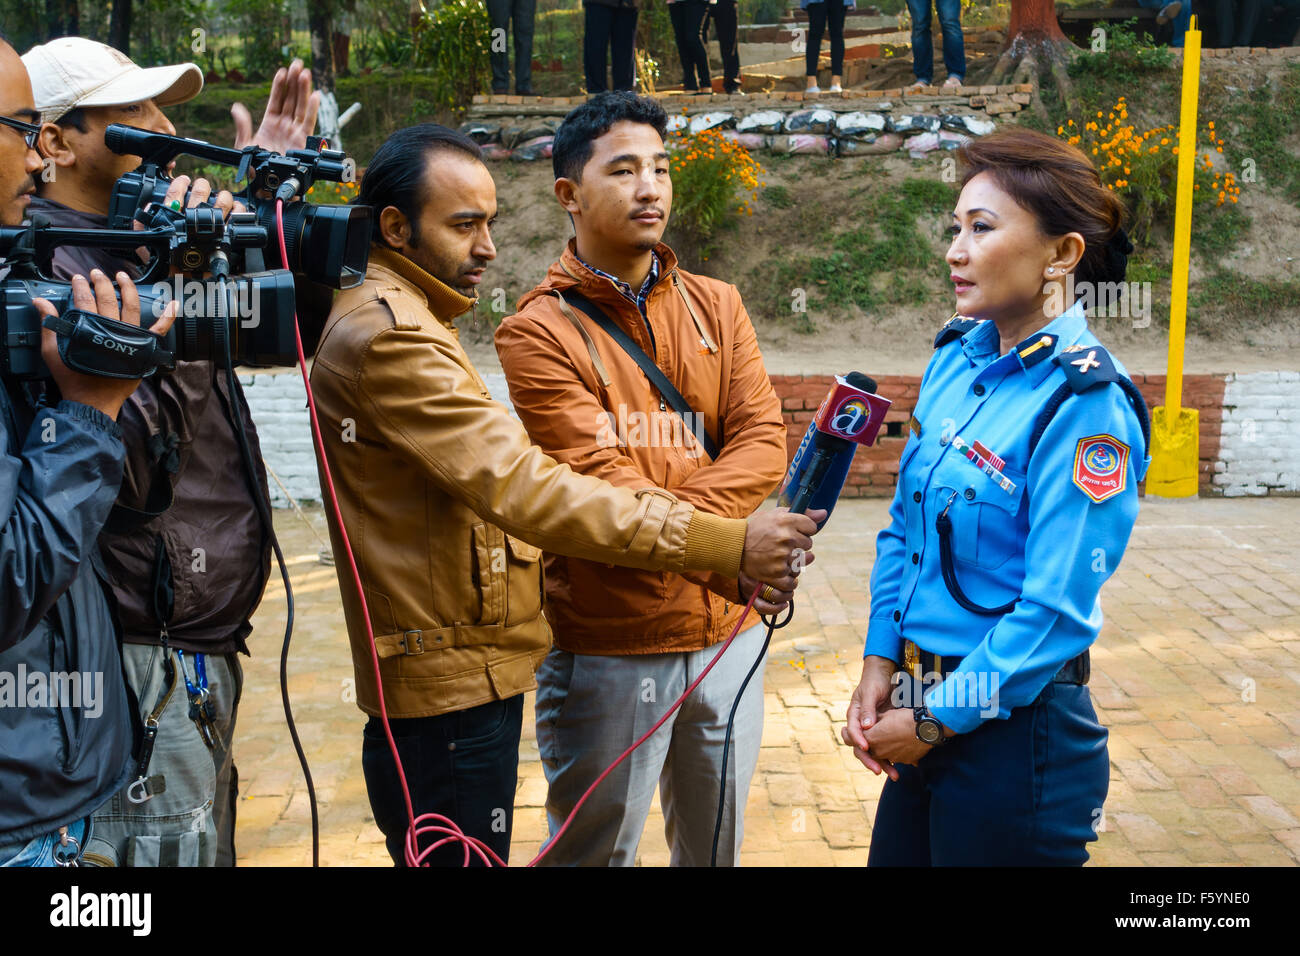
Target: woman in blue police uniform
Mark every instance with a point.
(1017, 492)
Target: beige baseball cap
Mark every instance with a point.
(72, 71)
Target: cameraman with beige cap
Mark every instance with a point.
(184, 618)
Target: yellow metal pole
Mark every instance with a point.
(1183, 219)
(1175, 431)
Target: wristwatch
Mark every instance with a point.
(928, 730)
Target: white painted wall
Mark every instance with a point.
(1258, 451)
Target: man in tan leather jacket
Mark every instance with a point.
(627, 640)
(447, 504)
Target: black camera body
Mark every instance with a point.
(242, 320)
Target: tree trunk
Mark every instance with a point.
(119, 26)
(1036, 21)
(319, 22)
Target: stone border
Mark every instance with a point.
(1015, 96)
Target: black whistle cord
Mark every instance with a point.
(263, 510)
(773, 624)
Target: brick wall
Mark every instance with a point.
(875, 469)
(1246, 421)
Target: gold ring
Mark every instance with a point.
(769, 594)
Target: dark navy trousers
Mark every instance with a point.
(1025, 791)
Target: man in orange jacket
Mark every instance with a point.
(627, 642)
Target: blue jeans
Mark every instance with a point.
(1181, 22)
(40, 851)
(463, 765)
(954, 46)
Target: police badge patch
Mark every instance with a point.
(1101, 466)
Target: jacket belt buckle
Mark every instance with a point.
(412, 642)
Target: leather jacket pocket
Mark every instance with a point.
(525, 587)
(508, 575)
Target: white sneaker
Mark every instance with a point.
(836, 88)
(812, 90)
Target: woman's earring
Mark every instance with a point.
(1051, 272)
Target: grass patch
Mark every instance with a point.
(1239, 298)
(778, 197)
(883, 260)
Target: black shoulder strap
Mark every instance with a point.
(954, 329)
(1088, 368)
(652, 371)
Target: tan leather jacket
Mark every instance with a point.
(447, 504)
(585, 401)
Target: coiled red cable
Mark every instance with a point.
(435, 823)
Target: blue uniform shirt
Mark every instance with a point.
(1044, 531)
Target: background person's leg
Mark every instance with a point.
(677, 14)
(954, 44)
(597, 22)
(499, 14)
(697, 20)
(724, 17)
(623, 43)
(922, 53)
(816, 27)
(835, 23)
(522, 15)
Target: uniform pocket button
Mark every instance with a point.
(916, 558)
(978, 389)
(898, 616)
(916, 496)
(970, 494)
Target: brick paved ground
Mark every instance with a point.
(1197, 674)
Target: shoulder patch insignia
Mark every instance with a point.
(1101, 466)
(1086, 367)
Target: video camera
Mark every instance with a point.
(234, 309)
(248, 318)
(326, 244)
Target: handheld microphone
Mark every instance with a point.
(851, 415)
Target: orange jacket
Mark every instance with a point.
(587, 404)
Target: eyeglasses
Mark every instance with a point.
(29, 130)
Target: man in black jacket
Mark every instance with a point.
(66, 730)
(185, 547)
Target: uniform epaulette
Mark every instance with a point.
(954, 329)
(1087, 366)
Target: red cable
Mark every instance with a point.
(454, 834)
